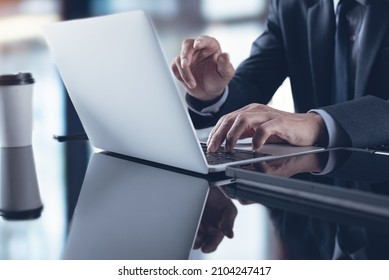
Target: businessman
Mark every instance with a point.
(332, 51)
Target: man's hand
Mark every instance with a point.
(267, 125)
(203, 68)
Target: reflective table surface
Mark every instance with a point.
(127, 209)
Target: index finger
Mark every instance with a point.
(184, 63)
(186, 54)
(217, 134)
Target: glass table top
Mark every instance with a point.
(130, 210)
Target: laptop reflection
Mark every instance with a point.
(128, 210)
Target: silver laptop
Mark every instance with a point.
(125, 95)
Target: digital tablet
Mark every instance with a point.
(344, 180)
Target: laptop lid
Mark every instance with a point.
(122, 89)
(124, 93)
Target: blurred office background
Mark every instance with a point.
(234, 23)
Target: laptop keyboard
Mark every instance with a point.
(221, 156)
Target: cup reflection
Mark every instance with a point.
(19, 190)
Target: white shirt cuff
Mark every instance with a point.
(214, 108)
(333, 129)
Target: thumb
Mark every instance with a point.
(224, 66)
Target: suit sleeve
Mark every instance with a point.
(259, 76)
(364, 120)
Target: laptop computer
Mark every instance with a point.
(124, 93)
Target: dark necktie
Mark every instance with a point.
(341, 79)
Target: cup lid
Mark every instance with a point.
(16, 79)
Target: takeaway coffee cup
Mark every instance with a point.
(16, 110)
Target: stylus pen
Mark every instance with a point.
(71, 137)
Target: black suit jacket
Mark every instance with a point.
(365, 120)
(299, 43)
